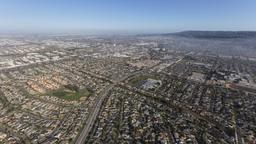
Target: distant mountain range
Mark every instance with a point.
(217, 34)
(210, 34)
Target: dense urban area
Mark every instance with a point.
(185, 88)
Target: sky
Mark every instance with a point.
(126, 16)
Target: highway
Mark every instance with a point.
(93, 116)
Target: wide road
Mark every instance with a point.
(93, 116)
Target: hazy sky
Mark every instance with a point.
(126, 15)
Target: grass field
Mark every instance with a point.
(68, 94)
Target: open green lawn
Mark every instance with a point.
(68, 94)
